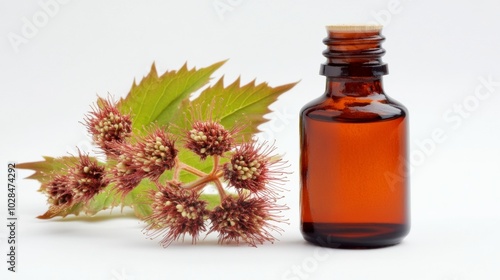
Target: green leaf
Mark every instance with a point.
(63, 212)
(46, 168)
(233, 105)
(157, 98)
(106, 199)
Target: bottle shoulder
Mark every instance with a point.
(354, 109)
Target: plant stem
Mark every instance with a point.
(177, 170)
(198, 188)
(216, 164)
(200, 181)
(192, 170)
(204, 179)
(222, 193)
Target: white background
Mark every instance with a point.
(438, 52)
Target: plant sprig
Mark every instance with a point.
(158, 144)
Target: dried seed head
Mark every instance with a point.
(176, 212)
(59, 191)
(78, 182)
(252, 168)
(149, 157)
(209, 138)
(124, 175)
(108, 126)
(154, 154)
(89, 178)
(245, 219)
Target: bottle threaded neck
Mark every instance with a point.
(354, 50)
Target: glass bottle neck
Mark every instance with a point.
(354, 87)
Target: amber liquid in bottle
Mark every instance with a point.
(354, 185)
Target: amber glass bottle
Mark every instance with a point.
(354, 184)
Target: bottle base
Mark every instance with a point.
(354, 235)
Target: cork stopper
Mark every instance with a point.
(354, 28)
